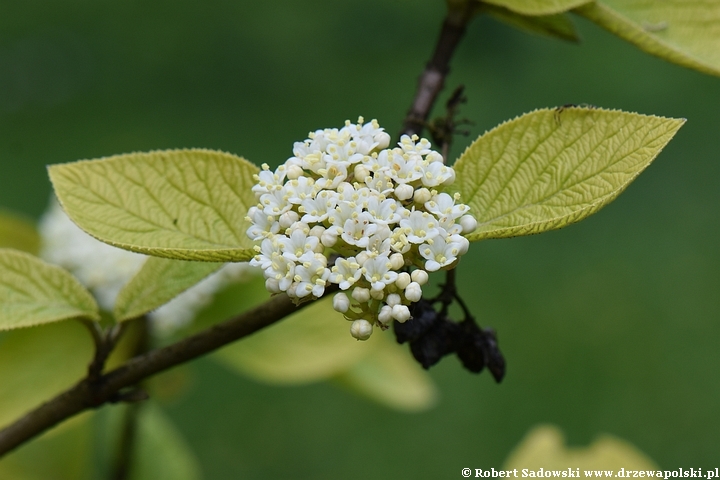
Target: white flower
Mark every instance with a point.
(275, 202)
(357, 231)
(444, 205)
(420, 227)
(439, 254)
(381, 211)
(297, 244)
(311, 275)
(377, 272)
(267, 181)
(345, 272)
(317, 209)
(262, 224)
(300, 188)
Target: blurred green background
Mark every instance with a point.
(610, 325)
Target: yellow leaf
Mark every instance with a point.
(553, 167)
(181, 204)
(158, 281)
(33, 292)
(544, 447)
(538, 7)
(391, 377)
(686, 32)
(311, 345)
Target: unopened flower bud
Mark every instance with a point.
(317, 231)
(361, 329)
(294, 172)
(397, 261)
(422, 195)
(393, 299)
(361, 257)
(361, 294)
(401, 313)
(403, 280)
(404, 191)
(341, 302)
(383, 140)
(385, 315)
(468, 223)
(419, 276)
(328, 238)
(464, 246)
(272, 285)
(377, 294)
(287, 219)
(413, 292)
(361, 172)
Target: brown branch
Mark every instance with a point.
(108, 388)
(432, 79)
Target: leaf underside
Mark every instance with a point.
(686, 32)
(557, 25)
(33, 292)
(391, 377)
(159, 281)
(538, 7)
(181, 204)
(553, 167)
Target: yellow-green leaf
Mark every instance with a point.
(538, 7)
(558, 25)
(686, 32)
(159, 281)
(33, 292)
(161, 453)
(544, 447)
(553, 167)
(38, 363)
(18, 233)
(63, 453)
(311, 345)
(181, 204)
(390, 376)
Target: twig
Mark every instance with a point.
(104, 344)
(91, 394)
(432, 79)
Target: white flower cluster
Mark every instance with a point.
(104, 270)
(346, 209)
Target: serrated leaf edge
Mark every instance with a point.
(592, 208)
(95, 318)
(205, 255)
